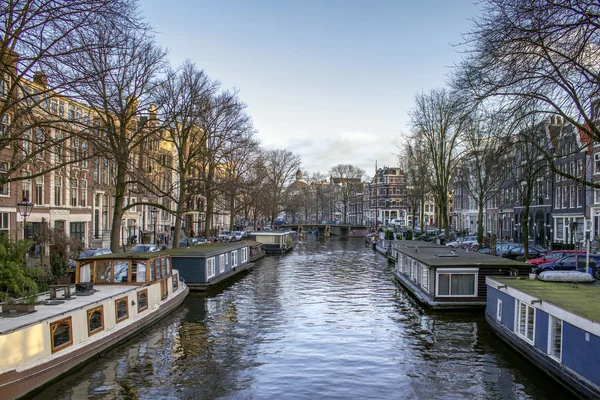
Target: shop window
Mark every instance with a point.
(121, 309)
(95, 317)
(61, 334)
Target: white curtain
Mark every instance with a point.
(141, 272)
(85, 273)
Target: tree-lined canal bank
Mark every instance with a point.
(325, 321)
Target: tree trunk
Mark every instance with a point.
(115, 232)
(179, 215)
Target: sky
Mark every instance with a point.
(332, 81)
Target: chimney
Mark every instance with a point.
(558, 120)
(41, 79)
(552, 120)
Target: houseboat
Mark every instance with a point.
(554, 325)
(256, 250)
(444, 278)
(115, 297)
(203, 267)
(275, 242)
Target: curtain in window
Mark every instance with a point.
(463, 285)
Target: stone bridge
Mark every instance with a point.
(330, 229)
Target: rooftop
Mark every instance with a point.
(437, 255)
(198, 249)
(581, 299)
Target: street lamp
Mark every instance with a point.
(154, 211)
(25, 208)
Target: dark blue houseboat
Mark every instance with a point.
(205, 266)
(554, 325)
(276, 242)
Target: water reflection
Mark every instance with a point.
(326, 321)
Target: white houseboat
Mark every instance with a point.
(275, 242)
(115, 297)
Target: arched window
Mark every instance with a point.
(142, 297)
(61, 334)
(121, 309)
(95, 318)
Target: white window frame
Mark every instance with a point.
(244, 255)
(499, 310)
(425, 278)
(234, 261)
(518, 325)
(551, 337)
(210, 267)
(221, 263)
(4, 168)
(456, 271)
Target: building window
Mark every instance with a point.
(57, 191)
(456, 282)
(74, 192)
(596, 163)
(95, 317)
(222, 263)
(121, 309)
(61, 334)
(83, 196)
(559, 228)
(555, 340)
(244, 255)
(142, 300)
(39, 190)
(525, 321)
(210, 267)
(234, 258)
(4, 166)
(4, 228)
(77, 230)
(26, 186)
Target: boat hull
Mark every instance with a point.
(15, 384)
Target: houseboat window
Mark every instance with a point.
(525, 321)
(121, 271)
(85, 272)
(222, 263)
(175, 282)
(456, 282)
(121, 309)
(168, 260)
(138, 271)
(163, 267)
(555, 345)
(61, 334)
(164, 290)
(244, 254)
(142, 300)
(95, 318)
(210, 267)
(151, 266)
(499, 310)
(157, 269)
(234, 258)
(425, 278)
(103, 270)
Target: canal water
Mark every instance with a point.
(326, 321)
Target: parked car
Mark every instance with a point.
(462, 241)
(519, 251)
(226, 236)
(553, 256)
(187, 242)
(145, 248)
(568, 263)
(85, 253)
(238, 235)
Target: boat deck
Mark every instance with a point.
(10, 322)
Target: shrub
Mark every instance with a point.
(408, 235)
(15, 278)
(389, 235)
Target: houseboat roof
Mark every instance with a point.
(205, 249)
(580, 299)
(443, 256)
(273, 233)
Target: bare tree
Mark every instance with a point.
(116, 80)
(437, 125)
(180, 97)
(487, 144)
(540, 56)
(279, 168)
(416, 162)
(38, 41)
(346, 177)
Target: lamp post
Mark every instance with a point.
(25, 208)
(153, 212)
